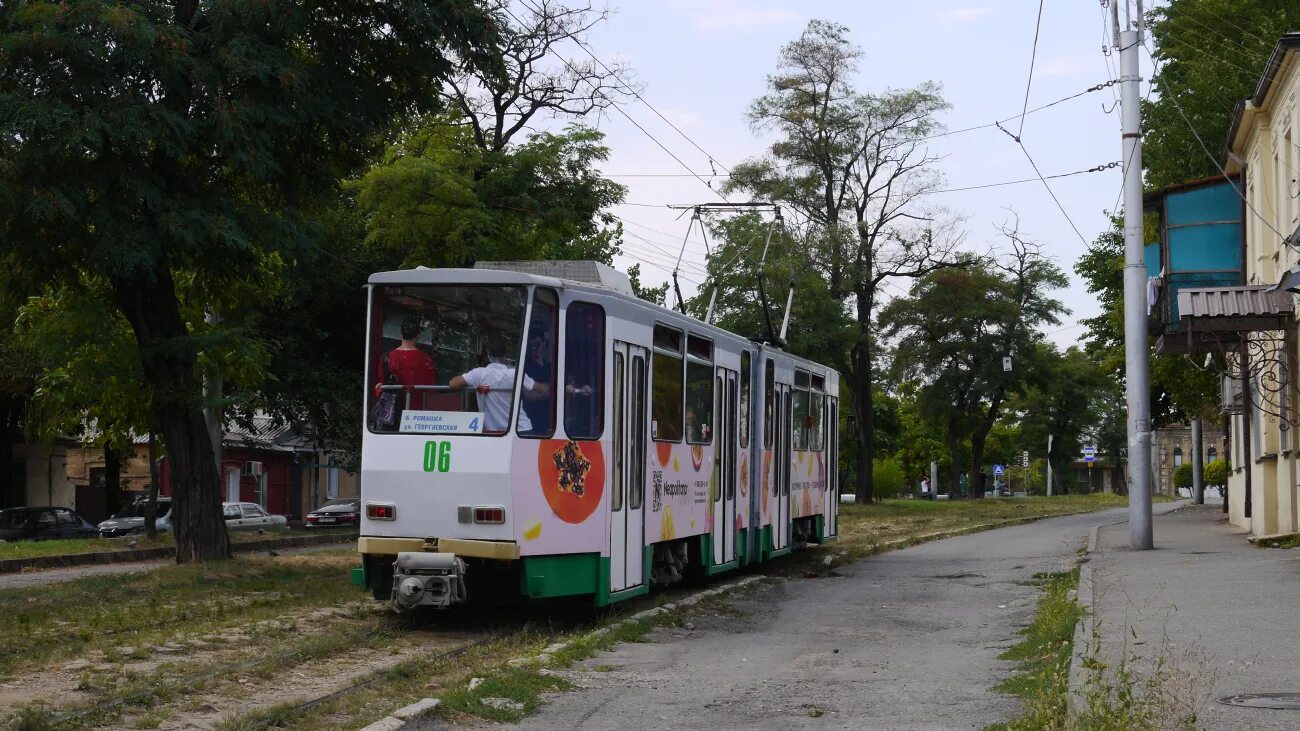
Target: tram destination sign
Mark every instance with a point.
(442, 422)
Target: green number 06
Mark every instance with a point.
(437, 456)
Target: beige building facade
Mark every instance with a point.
(1171, 447)
(1261, 393)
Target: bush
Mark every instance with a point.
(887, 477)
(1216, 472)
(1183, 475)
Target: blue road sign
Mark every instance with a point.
(998, 470)
(1089, 454)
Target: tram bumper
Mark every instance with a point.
(427, 579)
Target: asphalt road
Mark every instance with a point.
(53, 576)
(905, 640)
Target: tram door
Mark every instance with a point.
(831, 422)
(781, 466)
(723, 491)
(627, 498)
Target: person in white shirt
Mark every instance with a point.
(925, 488)
(494, 382)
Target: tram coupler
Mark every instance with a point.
(427, 579)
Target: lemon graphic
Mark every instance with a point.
(534, 530)
(666, 529)
(810, 467)
(676, 467)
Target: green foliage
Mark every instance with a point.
(649, 294)
(437, 199)
(1212, 54)
(888, 478)
(1183, 475)
(1216, 472)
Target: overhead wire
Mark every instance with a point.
(1033, 56)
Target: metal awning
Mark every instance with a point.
(1223, 315)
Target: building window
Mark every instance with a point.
(1212, 455)
(1178, 456)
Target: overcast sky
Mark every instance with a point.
(703, 62)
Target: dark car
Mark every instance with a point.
(41, 523)
(344, 512)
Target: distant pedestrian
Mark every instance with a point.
(925, 489)
(963, 484)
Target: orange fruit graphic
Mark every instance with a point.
(744, 475)
(664, 451)
(572, 476)
(697, 456)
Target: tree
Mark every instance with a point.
(649, 294)
(498, 102)
(178, 149)
(1183, 475)
(853, 167)
(1059, 403)
(438, 199)
(1216, 472)
(1211, 54)
(956, 326)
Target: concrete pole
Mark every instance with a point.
(934, 479)
(1198, 464)
(1136, 367)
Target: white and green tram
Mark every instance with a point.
(545, 433)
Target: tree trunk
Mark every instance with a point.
(149, 303)
(954, 453)
(976, 458)
(155, 477)
(10, 409)
(864, 405)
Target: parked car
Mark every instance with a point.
(344, 512)
(41, 523)
(243, 516)
(130, 520)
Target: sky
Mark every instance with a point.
(702, 63)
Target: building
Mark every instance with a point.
(261, 463)
(1171, 447)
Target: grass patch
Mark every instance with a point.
(1043, 657)
(73, 618)
(523, 687)
(864, 528)
(1288, 541)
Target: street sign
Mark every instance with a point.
(1006, 362)
(998, 471)
(1024, 459)
(1089, 454)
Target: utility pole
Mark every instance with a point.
(1198, 463)
(1136, 367)
(1049, 465)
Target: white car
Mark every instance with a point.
(242, 516)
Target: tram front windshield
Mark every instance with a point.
(422, 337)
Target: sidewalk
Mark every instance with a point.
(1222, 614)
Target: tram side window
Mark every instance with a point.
(666, 390)
(799, 422)
(744, 400)
(584, 374)
(819, 413)
(769, 384)
(699, 391)
(539, 365)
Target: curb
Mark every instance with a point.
(16, 565)
(1085, 631)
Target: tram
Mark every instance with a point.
(533, 430)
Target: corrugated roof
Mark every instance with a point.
(1249, 301)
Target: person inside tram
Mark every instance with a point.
(494, 383)
(410, 366)
(538, 404)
